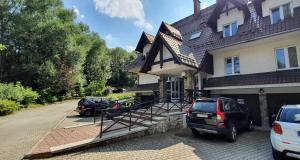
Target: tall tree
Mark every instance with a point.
(120, 59)
(97, 66)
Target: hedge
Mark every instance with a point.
(120, 96)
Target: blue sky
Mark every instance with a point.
(121, 22)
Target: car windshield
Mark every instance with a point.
(291, 115)
(205, 106)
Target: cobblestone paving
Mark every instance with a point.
(182, 144)
(21, 131)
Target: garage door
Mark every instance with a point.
(276, 101)
(252, 102)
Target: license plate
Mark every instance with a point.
(202, 115)
(298, 133)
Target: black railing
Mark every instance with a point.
(142, 111)
(118, 116)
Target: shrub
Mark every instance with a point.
(17, 92)
(7, 107)
(120, 96)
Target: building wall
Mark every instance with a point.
(233, 15)
(166, 54)
(270, 4)
(255, 58)
(146, 49)
(147, 78)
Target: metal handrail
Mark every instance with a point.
(135, 106)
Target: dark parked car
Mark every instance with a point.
(90, 107)
(222, 116)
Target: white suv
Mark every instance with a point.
(285, 133)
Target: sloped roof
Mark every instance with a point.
(150, 37)
(146, 38)
(179, 33)
(183, 52)
(136, 65)
(173, 31)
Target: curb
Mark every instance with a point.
(88, 143)
(43, 137)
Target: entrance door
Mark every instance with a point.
(175, 89)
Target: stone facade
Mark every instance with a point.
(173, 121)
(163, 88)
(264, 111)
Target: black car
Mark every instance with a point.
(90, 107)
(222, 116)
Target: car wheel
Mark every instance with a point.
(251, 126)
(195, 132)
(231, 137)
(277, 155)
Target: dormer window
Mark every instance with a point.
(281, 13)
(230, 29)
(195, 35)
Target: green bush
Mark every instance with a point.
(18, 93)
(7, 107)
(120, 96)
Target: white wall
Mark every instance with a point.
(166, 54)
(257, 57)
(147, 78)
(270, 4)
(146, 49)
(233, 15)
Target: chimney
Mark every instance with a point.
(196, 7)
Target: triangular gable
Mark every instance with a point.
(145, 39)
(173, 47)
(224, 4)
(170, 30)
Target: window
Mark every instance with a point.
(290, 115)
(232, 65)
(281, 13)
(275, 15)
(293, 59)
(196, 85)
(280, 58)
(286, 9)
(195, 35)
(230, 30)
(287, 58)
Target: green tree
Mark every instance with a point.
(42, 35)
(97, 66)
(120, 59)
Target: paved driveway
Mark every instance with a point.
(21, 131)
(182, 144)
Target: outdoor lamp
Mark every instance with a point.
(183, 74)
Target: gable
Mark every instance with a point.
(225, 4)
(234, 15)
(166, 54)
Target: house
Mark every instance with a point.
(248, 50)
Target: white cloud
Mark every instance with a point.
(125, 9)
(109, 37)
(77, 12)
(130, 48)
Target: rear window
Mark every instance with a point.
(291, 115)
(205, 106)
